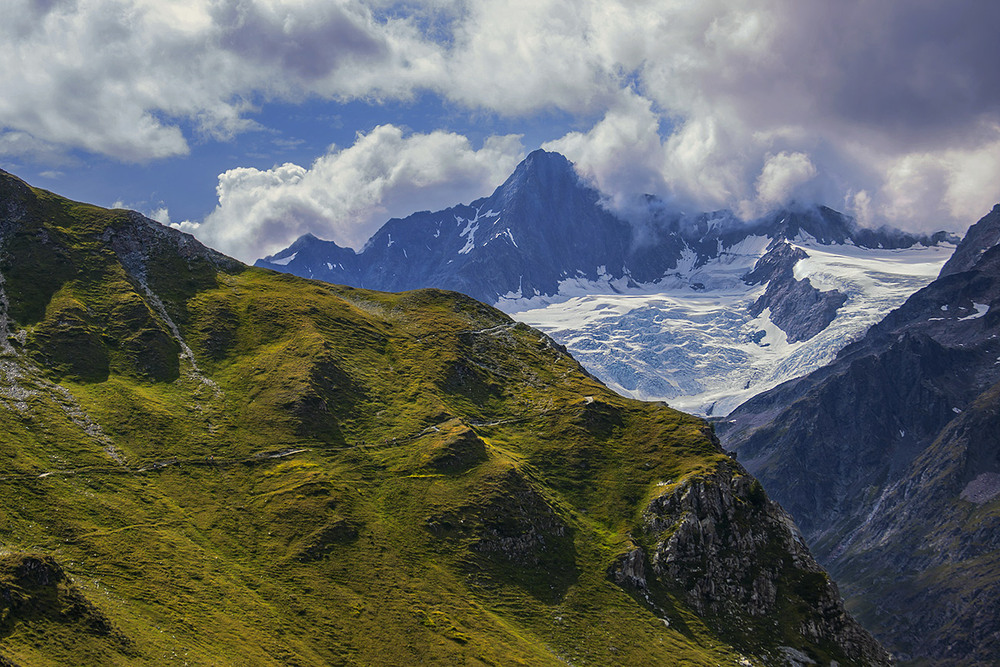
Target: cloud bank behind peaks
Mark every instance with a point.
(347, 194)
(890, 109)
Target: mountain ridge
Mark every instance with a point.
(231, 465)
(901, 418)
(565, 232)
(641, 303)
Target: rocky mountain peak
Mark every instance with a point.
(542, 189)
(981, 237)
(823, 223)
(540, 170)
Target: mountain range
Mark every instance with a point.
(208, 463)
(701, 310)
(873, 430)
(889, 462)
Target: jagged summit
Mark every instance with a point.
(521, 239)
(545, 226)
(542, 176)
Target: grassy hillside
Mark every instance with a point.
(209, 464)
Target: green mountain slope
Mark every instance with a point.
(205, 463)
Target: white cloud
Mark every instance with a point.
(348, 193)
(24, 146)
(159, 212)
(697, 101)
(116, 77)
(782, 177)
(161, 215)
(973, 181)
(623, 153)
(770, 100)
(524, 55)
(931, 190)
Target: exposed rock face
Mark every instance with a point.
(512, 532)
(34, 588)
(887, 460)
(981, 236)
(710, 540)
(514, 523)
(14, 195)
(797, 308)
(779, 262)
(139, 239)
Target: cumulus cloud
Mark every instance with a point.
(783, 177)
(348, 193)
(117, 77)
(887, 109)
(890, 109)
(623, 153)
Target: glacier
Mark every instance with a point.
(689, 339)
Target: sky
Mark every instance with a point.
(251, 122)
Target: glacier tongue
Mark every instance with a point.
(689, 339)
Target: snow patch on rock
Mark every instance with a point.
(284, 261)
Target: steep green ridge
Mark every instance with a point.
(204, 463)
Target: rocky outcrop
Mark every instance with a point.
(797, 308)
(34, 588)
(517, 524)
(140, 241)
(981, 237)
(710, 540)
(509, 521)
(14, 195)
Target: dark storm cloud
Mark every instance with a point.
(309, 44)
(923, 72)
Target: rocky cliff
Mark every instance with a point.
(796, 307)
(710, 540)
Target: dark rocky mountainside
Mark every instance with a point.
(544, 226)
(206, 463)
(798, 308)
(888, 460)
